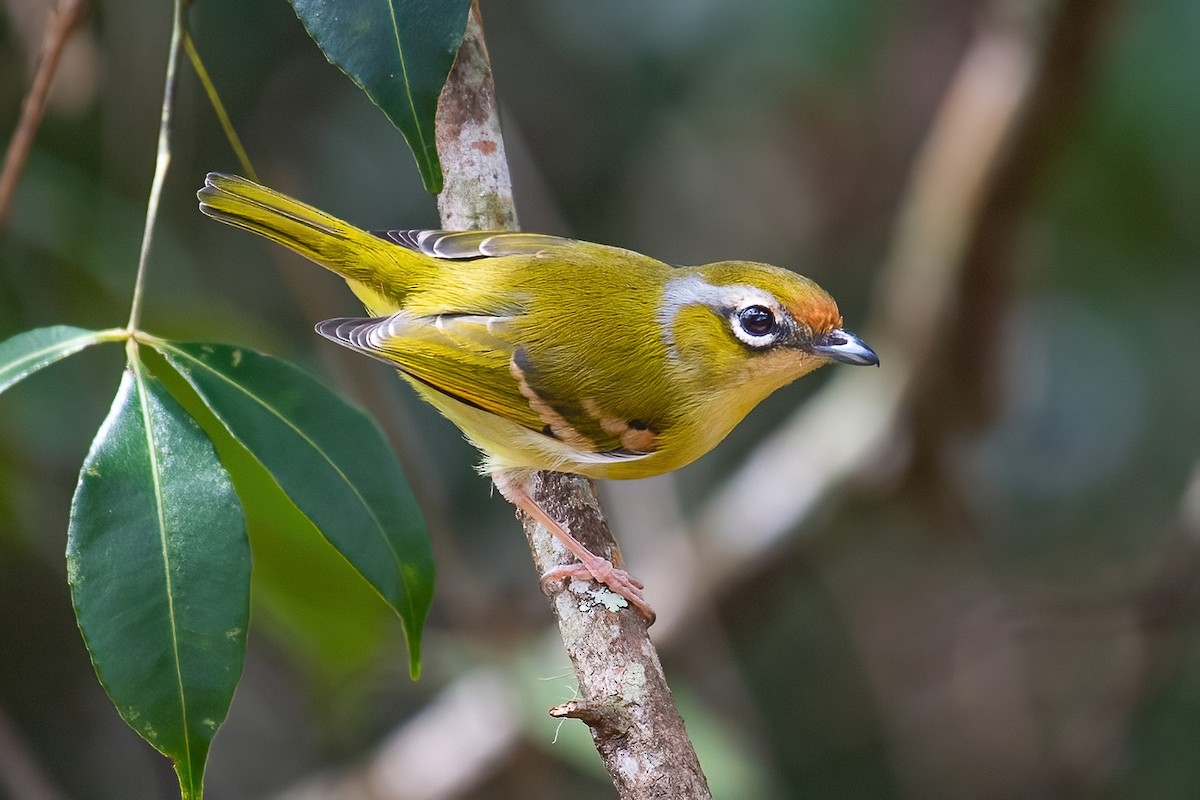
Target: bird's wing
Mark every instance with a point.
(473, 244)
(478, 360)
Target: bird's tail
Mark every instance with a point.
(351, 252)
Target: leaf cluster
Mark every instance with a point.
(158, 556)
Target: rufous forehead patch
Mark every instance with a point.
(819, 313)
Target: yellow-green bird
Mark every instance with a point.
(556, 354)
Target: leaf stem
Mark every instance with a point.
(161, 163)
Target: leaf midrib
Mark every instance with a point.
(156, 479)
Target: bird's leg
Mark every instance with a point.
(590, 566)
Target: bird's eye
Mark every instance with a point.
(756, 320)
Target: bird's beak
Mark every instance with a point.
(844, 346)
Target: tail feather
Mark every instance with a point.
(349, 251)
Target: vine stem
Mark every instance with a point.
(218, 107)
(162, 162)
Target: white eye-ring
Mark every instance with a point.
(756, 325)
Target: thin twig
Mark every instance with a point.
(61, 22)
(162, 163)
(218, 107)
(624, 697)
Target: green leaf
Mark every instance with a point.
(332, 461)
(159, 567)
(399, 52)
(27, 352)
(303, 593)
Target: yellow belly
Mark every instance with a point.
(507, 445)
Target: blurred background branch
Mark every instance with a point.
(61, 21)
(21, 776)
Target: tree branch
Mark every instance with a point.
(624, 697)
(60, 23)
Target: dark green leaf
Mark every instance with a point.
(399, 52)
(332, 461)
(159, 568)
(28, 352)
(303, 593)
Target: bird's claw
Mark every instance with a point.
(617, 580)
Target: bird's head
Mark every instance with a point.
(752, 327)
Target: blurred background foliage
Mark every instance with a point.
(1006, 607)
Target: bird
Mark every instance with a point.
(556, 354)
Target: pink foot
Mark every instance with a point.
(591, 566)
(603, 572)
